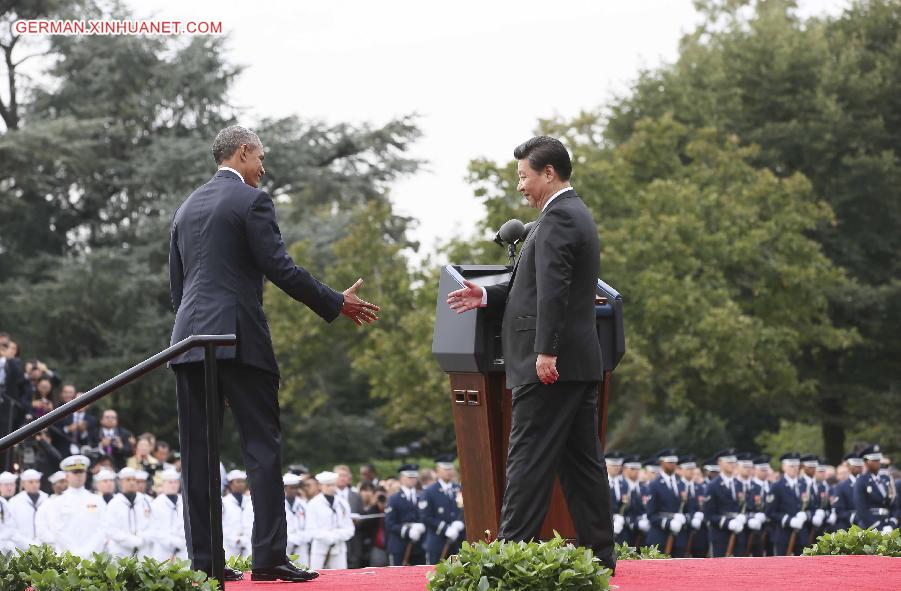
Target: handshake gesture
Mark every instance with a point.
(358, 310)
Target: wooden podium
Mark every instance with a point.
(468, 348)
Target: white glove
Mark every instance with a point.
(675, 525)
(832, 518)
(761, 517)
(754, 523)
(818, 517)
(452, 531)
(618, 522)
(416, 531)
(736, 525)
(887, 529)
(796, 522)
(680, 517)
(697, 521)
(742, 518)
(643, 524)
(802, 516)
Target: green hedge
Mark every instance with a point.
(42, 569)
(857, 541)
(627, 552)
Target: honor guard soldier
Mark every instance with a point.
(167, 528)
(442, 513)
(626, 503)
(24, 506)
(330, 524)
(825, 498)
(758, 489)
(666, 508)
(788, 508)
(724, 509)
(126, 521)
(8, 485)
(403, 521)
(105, 484)
(74, 519)
(819, 496)
(299, 537)
(874, 494)
(58, 482)
(237, 516)
(614, 461)
(10, 534)
(843, 493)
(711, 470)
(697, 543)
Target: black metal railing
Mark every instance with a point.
(209, 344)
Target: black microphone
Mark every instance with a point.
(528, 227)
(510, 233)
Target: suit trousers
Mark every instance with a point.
(554, 431)
(252, 394)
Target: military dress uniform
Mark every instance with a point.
(403, 523)
(127, 521)
(10, 534)
(74, 519)
(819, 499)
(875, 496)
(237, 520)
(788, 508)
(299, 537)
(842, 496)
(167, 528)
(724, 512)
(330, 525)
(696, 545)
(666, 509)
(24, 508)
(443, 519)
(630, 506)
(758, 491)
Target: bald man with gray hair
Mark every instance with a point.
(225, 242)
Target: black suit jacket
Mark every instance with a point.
(80, 438)
(549, 301)
(225, 239)
(17, 385)
(120, 455)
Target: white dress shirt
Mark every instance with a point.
(230, 169)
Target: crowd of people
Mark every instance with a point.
(89, 485)
(736, 504)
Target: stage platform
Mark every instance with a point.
(841, 573)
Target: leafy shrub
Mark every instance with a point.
(627, 552)
(520, 566)
(857, 541)
(42, 569)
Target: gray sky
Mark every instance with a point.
(479, 74)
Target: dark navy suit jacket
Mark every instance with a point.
(225, 240)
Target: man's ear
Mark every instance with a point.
(549, 172)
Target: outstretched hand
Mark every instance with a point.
(360, 311)
(466, 299)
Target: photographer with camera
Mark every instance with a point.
(372, 524)
(114, 441)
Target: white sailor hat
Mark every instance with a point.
(141, 475)
(30, 474)
(106, 475)
(327, 478)
(8, 478)
(76, 462)
(290, 479)
(171, 475)
(127, 472)
(236, 475)
(56, 477)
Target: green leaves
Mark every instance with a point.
(857, 541)
(627, 552)
(42, 569)
(519, 566)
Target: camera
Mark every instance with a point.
(381, 498)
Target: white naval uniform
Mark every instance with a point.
(299, 537)
(331, 527)
(127, 525)
(73, 522)
(10, 536)
(237, 525)
(167, 529)
(24, 511)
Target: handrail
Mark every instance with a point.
(209, 344)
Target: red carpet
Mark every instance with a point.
(841, 573)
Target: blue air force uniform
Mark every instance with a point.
(725, 511)
(666, 506)
(442, 516)
(403, 524)
(875, 497)
(788, 507)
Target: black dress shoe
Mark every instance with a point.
(233, 575)
(283, 572)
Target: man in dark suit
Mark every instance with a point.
(552, 356)
(79, 427)
(112, 439)
(225, 241)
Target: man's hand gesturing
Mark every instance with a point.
(463, 300)
(360, 311)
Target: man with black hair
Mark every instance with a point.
(552, 357)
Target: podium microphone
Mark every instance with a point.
(510, 233)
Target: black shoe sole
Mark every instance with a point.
(265, 577)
